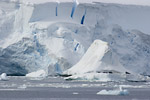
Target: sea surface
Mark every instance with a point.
(57, 88)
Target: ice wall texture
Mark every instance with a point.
(32, 37)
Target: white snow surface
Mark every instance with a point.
(127, 2)
(98, 58)
(32, 37)
(39, 73)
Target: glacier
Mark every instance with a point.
(42, 35)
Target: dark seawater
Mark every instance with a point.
(56, 88)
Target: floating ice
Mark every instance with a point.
(24, 86)
(3, 77)
(39, 73)
(75, 93)
(103, 77)
(114, 92)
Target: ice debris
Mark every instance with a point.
(3, 77)
(119, 91)
(39, 73)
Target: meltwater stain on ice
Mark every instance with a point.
(76, 47)
(75, 4)
(83, 18)
(57, 7)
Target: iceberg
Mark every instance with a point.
(119, 91)
(39, 73)
(3, 77)
(98, 58)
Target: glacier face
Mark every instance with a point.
(35, 37)
(23, 57)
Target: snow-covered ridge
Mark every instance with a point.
(127, 2)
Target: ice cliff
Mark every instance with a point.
(53, 36)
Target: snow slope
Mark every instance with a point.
(42, 35)
(99, 63)
(98, 58)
